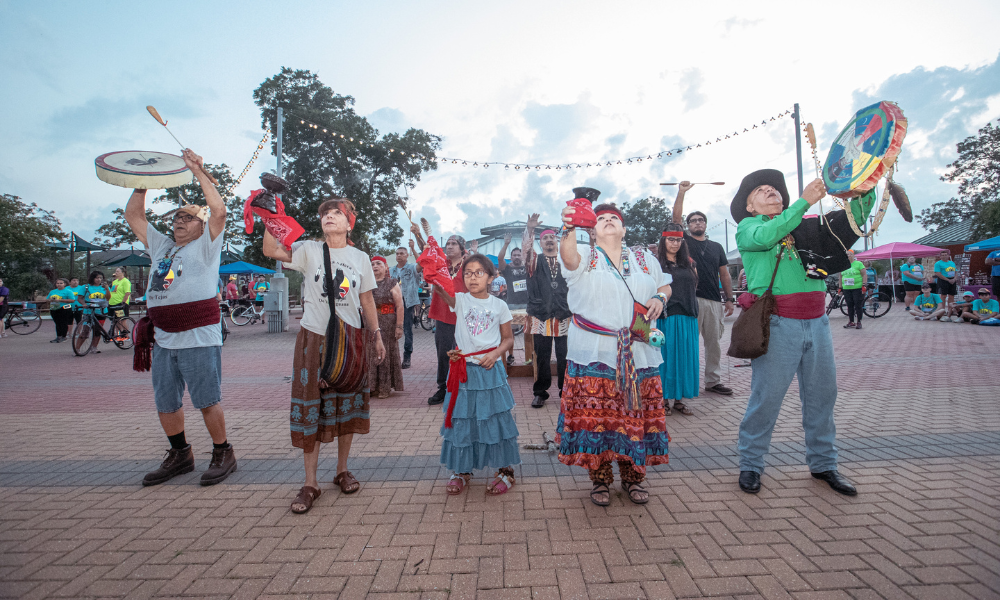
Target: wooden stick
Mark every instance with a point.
(159, 119)
(698, 183)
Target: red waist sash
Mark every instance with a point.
(387, 309)
(458, 373)
(803, 305)
(172, 318)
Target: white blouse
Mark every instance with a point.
(600, 296)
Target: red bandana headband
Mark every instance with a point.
(678, 234)
(381, 258)
(610, 208)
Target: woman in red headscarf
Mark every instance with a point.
(388, 375)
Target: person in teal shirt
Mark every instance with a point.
(851, 282)
(913, 278)
(801, 345)
(75, 287)
(946, 274)
(927, 306)
(61, 302)
(983, 308)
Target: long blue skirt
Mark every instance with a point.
(680, 370)
(483, 433)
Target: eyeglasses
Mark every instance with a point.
(185, 218)
(697, 220)
(984, 293)
(478, 274)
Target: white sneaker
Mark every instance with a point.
(956, 319)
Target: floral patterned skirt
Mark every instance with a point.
(320, 415)
(595, 428)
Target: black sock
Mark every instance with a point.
(177, 441)
(221, 446)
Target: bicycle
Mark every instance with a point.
(22, 321)
(422, 317)
(223, 307)
(89, 328)
(241, 314)
(874, 305)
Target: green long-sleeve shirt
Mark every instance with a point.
(757, 239)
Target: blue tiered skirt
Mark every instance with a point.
(679, 371)
(483, 433)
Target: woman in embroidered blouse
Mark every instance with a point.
(612, 403)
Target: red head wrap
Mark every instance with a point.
(381, 258)
(610, 208)
(548, 231)
(678, 234)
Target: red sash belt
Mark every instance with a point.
(387, 309)
(803, 305)
(172, 318)
(458, 373)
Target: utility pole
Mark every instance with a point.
(279, 283)
(798, 145)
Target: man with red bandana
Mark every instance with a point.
(800, 341)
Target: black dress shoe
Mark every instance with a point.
(437, 398)
(750, 482)
(838, 482)
(720, 389)
(406, 364)
(538, 402)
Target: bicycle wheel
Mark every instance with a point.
(27, 321)
(877, 304)
(240, 315)
(121, 332)
(426, 321)
(843, 305)
(225, 330)
(82, 335)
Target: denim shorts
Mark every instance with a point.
(199, 368)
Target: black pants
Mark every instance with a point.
(407, 332)
(543, 362)
(62, 318)
(855, 301)
(77, 315)
(996, 286)
(444, 340)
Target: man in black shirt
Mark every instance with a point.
(712, 267)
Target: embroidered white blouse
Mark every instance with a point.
(598, 294)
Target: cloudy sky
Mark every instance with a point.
(504, 81)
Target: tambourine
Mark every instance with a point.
(864, 150)
(142, 170)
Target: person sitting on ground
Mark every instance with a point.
(963, 305)
(927, 306)
(983, 308)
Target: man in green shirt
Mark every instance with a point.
(852, 283)
(800, 341)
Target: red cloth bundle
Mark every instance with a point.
(435, 265)
(284, 228)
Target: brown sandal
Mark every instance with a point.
(348, 484)
(636, 493)
(683, 409)
(307, 495)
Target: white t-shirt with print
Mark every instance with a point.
(190, 275)
(307, 259)
(478, 323)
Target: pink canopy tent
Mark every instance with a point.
(896, 250)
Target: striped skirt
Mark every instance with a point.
(594, 426)
(320, 415)
(680, 370)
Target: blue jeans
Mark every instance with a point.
(407, 332)
(797, 347)
(200, 369)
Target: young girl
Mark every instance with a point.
(479, 429)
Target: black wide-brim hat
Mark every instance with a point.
(771, 177)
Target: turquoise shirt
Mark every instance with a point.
(927, 303)
(78, 290)
(918, 273)
(851, 279)
(758, 237)
(66, 294)
(984, 308)
(946, 268)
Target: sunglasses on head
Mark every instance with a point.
(984, 293)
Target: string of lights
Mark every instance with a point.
(256, 154)
(526, 167)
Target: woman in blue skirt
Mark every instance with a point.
(679, 324)
(479, 429)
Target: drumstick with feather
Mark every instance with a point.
(161, 121)
(698, 183)
(409, 216)
(811, 136)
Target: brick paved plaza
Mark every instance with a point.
(919, 433)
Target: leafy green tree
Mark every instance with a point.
(23, 255)
(644, 220)
(364, 166)
(117, 233)
(977, 169)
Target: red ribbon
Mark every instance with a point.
(456, 375)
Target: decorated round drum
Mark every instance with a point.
(141, 169)
(864, 150)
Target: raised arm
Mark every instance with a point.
(272, 249)
(759, 236)
(503, 251)
(568, 251)
(135, 215)
(682, 189)
(217, 218)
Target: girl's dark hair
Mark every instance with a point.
(486, 263)
(683, 257)
(93, 276)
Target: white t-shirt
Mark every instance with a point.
(600, 296)
(190, 275)
(358, 279)
(478, 323)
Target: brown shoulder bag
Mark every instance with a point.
(752, 329)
